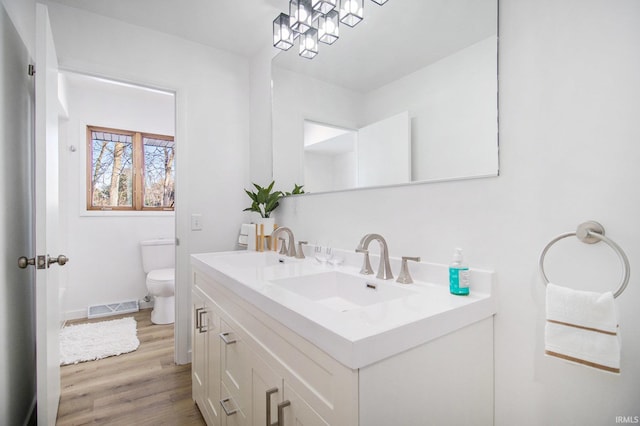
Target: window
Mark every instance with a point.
(129, 170)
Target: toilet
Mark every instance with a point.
(158, 262)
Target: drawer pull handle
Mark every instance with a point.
(281, 408)
(269, 393)
(202, 327)
(197, 317)
(226, 339)
(228, 406)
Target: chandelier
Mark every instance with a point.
(314, 21)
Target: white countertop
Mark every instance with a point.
(356, 337)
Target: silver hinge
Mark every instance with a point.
(31, 70)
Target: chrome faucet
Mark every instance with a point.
(384, 268)
(292, 242)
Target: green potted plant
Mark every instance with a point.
(263, 200)
(297, 189)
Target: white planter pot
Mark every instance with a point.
(267, 223)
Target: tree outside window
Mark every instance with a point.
(129, 170)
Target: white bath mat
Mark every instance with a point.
(88, 342)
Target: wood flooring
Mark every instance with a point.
(144, 387)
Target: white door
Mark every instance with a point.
(46, 222)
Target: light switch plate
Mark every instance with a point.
(196, 222)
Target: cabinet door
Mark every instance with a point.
(266, 393)
(198, 363)
(298, 412)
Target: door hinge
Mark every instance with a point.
(31, 70)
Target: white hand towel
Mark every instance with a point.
(247, 229)
(247, 236)
(582, 327)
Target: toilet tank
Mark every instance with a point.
(157, 254)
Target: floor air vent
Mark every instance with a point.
(97, 311)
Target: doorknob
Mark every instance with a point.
(41, 262)
(23, 262)
(60, 260)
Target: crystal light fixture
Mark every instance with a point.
(328, 27)
(313, 21)
(300, 15)
(282, 33)
(325, 6)
(309, 43)
(351, 12)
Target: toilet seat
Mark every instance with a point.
(161, 282)
(161, 275)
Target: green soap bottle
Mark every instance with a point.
(458, 275)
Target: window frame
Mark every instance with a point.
(138, 170)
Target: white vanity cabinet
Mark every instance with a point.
(252, 369)
(261, 368)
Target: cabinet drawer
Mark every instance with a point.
(235, 356)
(230, 413)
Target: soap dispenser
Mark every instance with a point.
(458, 275)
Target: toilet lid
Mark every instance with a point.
(161, 275)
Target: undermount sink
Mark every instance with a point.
(343, 292)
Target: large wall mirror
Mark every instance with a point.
(408, 95)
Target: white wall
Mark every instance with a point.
(296, 98)
(260, 160)
(23, 16)
(212, 97)
(384, 151)
(104, 246)
(569, 152)
(452, 105)
(331, 164)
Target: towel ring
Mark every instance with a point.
(590, 232)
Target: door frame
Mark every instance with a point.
(182, 353)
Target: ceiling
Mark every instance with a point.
(415, 32)
(243, 27)
(396, 39)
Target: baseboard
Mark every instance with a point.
(72, 315)
(82, 313)
(144, 304)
